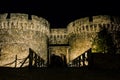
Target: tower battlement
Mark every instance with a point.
(21, 21)
(93, 25)
(19, 32)
(58, 36)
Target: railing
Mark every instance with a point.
(82, 60)
(32, 60)
(12, 63)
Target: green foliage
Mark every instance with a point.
(103, 43)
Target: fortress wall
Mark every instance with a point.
(74, 26)
(58, 36)
(78, 45)
(3, 16)
(82, 33)
(58, 50)
(101, 19)
(18, 34)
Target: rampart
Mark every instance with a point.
(18, 34)
(82, 32)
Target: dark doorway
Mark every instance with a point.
(57, 61)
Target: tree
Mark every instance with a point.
(103, 43)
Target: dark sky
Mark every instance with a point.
(60, 13)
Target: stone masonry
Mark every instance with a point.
(18, 34)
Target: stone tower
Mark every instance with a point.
(82, 32)
(18, 34)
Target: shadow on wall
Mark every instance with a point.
(57, 61)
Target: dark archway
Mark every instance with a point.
(57, 61)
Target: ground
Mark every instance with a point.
(58, 74)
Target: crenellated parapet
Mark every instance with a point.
(3, 16)
(77, 25)
(94, 24)
(18, 33)
(82, 32)
(21, 22)
(101, 19)
(58, 36)
(18, 16)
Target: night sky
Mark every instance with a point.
(61, 12)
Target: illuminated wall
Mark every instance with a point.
(18, 34)
(58, 41)
(83, 31)
(58, 36)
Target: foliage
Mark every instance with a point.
(103, 43)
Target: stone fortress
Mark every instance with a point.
(19, 32)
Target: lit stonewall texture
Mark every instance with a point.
(19, 32)
(82, 32)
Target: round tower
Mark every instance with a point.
(18, 34)
(83, 31)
